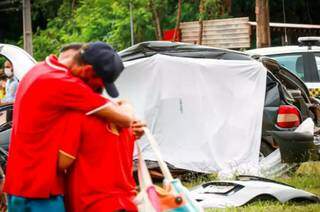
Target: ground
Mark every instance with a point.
(306, 177)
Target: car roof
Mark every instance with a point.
(282, 50)
(149, 48)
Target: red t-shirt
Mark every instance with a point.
(44, 95)
(101, 178)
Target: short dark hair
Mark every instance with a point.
(77, 47)
(74, 46)
(78, 59)
(78, 56)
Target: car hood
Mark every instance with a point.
(19, 58)
(247, 189)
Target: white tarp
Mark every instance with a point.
(206, 114)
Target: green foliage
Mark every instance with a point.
(45, 9)
(106, 20)
(56, 22)
(213, 9)
(2, 60)
(109, 21)
(58, 32)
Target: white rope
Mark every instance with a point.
(154, 145)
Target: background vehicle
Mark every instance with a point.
(286, 95)
(302, 60)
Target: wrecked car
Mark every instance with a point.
(287, 100)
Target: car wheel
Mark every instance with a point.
(265, 150)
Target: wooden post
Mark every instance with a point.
(175, 35)
(131, 24)
(27, 27)
(228, 6)
(201, 12)
(263, 27)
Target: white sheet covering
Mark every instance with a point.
(206, 114)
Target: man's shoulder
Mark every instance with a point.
(36, 71)
(44, 72)
(42, 76)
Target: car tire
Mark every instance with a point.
(265, 149)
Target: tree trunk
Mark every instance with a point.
(227, 4)
(201, 12)
(178, 21)
(263, 25)
(73, 5)
(156, 19)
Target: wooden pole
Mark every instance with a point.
(27, 27)
(263, 26)
(175, 35)
(131, 25)
(228, 6)
(201, 12)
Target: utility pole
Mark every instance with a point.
(131, 25)
(284, 21)
(263, 23)
(27, 27)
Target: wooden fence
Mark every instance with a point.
(231, 33)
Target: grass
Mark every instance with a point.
(306, 177)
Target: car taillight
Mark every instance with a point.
(288, 116)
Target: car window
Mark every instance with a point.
(317, 57)
(293, 62)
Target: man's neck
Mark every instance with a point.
(66, 58)
(66, 61)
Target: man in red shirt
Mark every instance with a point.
(101, 178)
(48, 91)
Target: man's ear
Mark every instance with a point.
(88, 67)
(87, 71)
(83, 71)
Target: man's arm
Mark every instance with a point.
(119, 114)
(65, 160)
(137, 128)
(73, 94)
(70, 128)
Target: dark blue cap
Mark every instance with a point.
(106, 63)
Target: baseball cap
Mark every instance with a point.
(105, 62)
